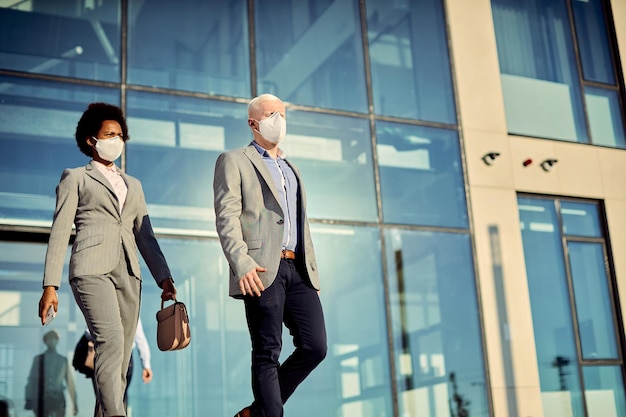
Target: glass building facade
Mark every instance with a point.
(374, 103)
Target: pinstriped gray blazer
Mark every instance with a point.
(250, 220)
(86, 199)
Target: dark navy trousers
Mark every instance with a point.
(291, 301)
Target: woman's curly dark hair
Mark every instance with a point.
(91, 121)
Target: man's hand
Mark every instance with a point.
(169, 291)
(48, 298)
(146, 375)
(250, 284)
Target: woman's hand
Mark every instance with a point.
(48, 298)
(169, 291)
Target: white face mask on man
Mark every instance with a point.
(273, 128)
(109, 149)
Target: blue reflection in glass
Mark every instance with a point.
(605, 117)
(421, 175)
(190, 45)
(593, 41)
(354, 379)
(218, 358)
(334, 155)
(604, 391)
(580, 219)
(436, 329)
(409, 60)
(21, 265)
(63, 39)
(593, 300)
(539, 70)
(174, 144)
(37, 124)
(550, 304)
(311, 53)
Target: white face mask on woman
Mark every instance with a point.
(273, 128)
(109, 149)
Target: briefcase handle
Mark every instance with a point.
(163, 302)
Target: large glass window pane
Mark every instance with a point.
(334, 155)
(538, 67)
(185, 136)
(354, 379)
(190, 45)
(604, 391)
(66, 38)
(580, 219)
(551, 309)
(593, 41)
(421, 175)
(21, 333)
(174, 144)
(311, 52)
(213, 372)
(37, 124)
(436, 330)
(593, 300)
(605, 119)
(409, 59)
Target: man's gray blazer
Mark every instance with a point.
(250, 221)
(86, 199)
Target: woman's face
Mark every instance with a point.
(109, 129)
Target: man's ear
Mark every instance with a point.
(250, 122)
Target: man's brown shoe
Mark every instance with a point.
(244, 413)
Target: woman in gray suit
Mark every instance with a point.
(109, 212)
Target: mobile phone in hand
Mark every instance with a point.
(50, 315)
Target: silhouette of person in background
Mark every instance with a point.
(50, 374)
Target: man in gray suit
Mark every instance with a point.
(260, 208)
(109, 211)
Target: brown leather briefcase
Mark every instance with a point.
(173, 331)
